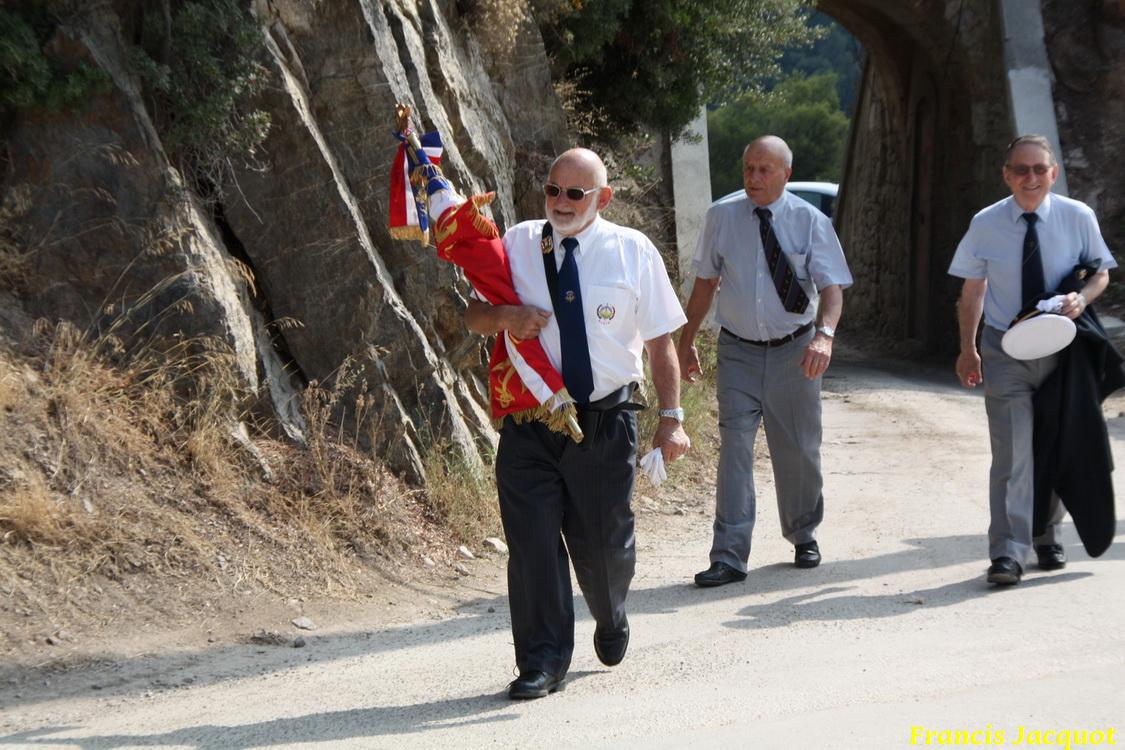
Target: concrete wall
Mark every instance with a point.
(691, 178)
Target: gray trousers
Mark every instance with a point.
(1009, 385)
(756, 383)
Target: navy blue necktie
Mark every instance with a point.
(1033, 283)
(793, 297)
(577, 374)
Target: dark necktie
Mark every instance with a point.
(576, 371)
(1033, 284)
(793, 297)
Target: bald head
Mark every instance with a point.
(584, 160)
(578, 171)
(771, 145)
(766, 165)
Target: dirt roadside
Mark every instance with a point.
(896, 629)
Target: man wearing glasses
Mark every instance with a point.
(783, 274)
(596, 294)
(1014, 251)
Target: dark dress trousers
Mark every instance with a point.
(547, 483)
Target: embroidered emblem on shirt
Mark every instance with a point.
(606, 313)
(569, 296)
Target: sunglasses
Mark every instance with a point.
(575, 194)
(1023, 170)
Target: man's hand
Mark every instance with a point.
(671, 439)
(1074, 304)
(689, 362)
(525, 321)
(817, 356)
(968, 368)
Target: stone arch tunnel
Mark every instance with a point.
(928, 131)
(946, 85)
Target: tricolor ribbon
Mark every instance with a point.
(409, 217)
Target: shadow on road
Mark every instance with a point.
(821, 605)
(138, 675)
(328, 726)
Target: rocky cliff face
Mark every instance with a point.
(117, 240)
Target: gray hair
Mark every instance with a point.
(1030, 140)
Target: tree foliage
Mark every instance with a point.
(803, 111)
(31, 78)
(656, 62)
(201, 76)
(836, 51)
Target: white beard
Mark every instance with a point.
(568, 227)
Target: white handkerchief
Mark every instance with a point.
(1052, 305)
(653, 466)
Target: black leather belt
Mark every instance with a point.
(774, 342)
(590, 415)
(619, 398)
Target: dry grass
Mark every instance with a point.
(461, 497)
(497, 24)
(126, 486)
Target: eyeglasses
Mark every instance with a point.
(575, 194)
(1023, 170)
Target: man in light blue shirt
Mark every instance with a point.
(1014, 250)
(783, 274)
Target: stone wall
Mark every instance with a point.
(1086, 47)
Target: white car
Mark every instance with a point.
(820, 194)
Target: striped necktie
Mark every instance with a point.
(792, 296)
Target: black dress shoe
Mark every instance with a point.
(1051, 556)
(718, 574)
(610, 645)
(533, 684)
(806, 555)
(1004, 571)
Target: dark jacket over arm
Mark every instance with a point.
(1071, 444)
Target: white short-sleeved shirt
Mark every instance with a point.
(730, 247)
(626, 296)
(992, 249)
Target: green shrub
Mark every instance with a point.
(202, 94)
(29, 77)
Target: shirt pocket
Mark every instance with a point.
(609, 308)
(799, 262)
(1001, 262)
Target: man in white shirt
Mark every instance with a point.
(1013, 251)
(783, 274)
(612, 300)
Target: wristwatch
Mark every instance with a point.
(676, 414)
(828, 331)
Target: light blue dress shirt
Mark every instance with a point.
(730, 248)
(992, 249)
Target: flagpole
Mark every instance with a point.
(402, 114)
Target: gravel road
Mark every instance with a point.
(894, 635)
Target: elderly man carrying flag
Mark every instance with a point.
(562, 502)
(522, 381)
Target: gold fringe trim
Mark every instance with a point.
(410, 233)
(563, 420)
